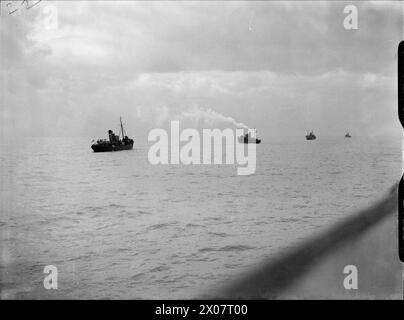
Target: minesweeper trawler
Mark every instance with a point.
(311, 136)
(114, 143)
(249, 137)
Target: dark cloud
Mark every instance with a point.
(274, 65)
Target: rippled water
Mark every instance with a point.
(117, 227)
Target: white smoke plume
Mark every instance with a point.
(209, 116)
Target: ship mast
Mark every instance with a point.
(120, 119)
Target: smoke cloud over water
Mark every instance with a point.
(209, 116)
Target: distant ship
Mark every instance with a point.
(347, 135)
(250, 137)
(311, 136)
(114, 143)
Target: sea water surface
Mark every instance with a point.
(116, 226)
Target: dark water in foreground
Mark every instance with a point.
(117, 227)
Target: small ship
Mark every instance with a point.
(347, 135)
(249, 137)
(114, 143)
(311, 136)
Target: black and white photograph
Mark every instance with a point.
(200, 150)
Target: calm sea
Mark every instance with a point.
(117, 227)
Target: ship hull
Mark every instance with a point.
(109, 147)
(246, 140)
(311, 136)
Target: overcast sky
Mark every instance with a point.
(282, 67)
